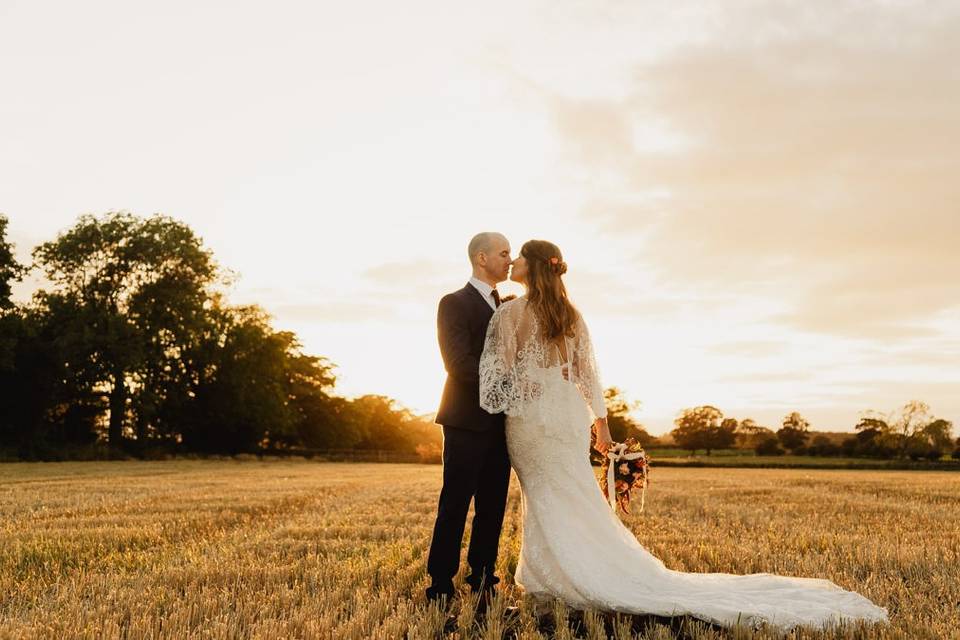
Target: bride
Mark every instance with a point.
(538, 367)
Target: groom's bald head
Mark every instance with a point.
(489, 254)
(485, 242)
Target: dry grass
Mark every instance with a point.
(225, 549)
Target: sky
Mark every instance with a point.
(758, 201)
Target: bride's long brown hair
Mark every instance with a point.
(545, 290)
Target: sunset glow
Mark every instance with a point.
(758, 207)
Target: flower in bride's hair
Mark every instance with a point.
(624, 468)
(557, 265)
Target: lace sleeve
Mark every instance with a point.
(498, 383)
(585, 373)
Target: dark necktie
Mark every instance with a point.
(496, 297)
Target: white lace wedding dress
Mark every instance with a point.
(574, 546)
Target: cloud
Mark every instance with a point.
(815, 161)
(943, 356)
(768, 377)
(413, 273)
(335, 311)
(748, 348)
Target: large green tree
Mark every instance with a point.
(128, 294)
(133, 334)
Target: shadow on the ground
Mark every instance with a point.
(682, 628)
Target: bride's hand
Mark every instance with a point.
(602, 432)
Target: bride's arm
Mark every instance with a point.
(585, 372)
(587, 378)
(601, 431)
(497, 370)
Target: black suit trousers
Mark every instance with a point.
(475, 465)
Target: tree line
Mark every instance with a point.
(132, 349)
(912, 433)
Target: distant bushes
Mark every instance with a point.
(913, 434)
(769, 447)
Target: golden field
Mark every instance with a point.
(299, 549)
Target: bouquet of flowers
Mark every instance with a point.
(625, 468)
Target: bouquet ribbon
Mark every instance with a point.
(615, 454)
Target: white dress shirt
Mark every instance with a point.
(485, 290)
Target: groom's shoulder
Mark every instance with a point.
(455, 298)
(457, 295)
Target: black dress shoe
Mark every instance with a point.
(479, 580)
(442, 598)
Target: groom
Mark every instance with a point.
(475, 461)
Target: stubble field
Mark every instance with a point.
(297, 549)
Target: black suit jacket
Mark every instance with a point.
(462, 320)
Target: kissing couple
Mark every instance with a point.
(523, 390)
